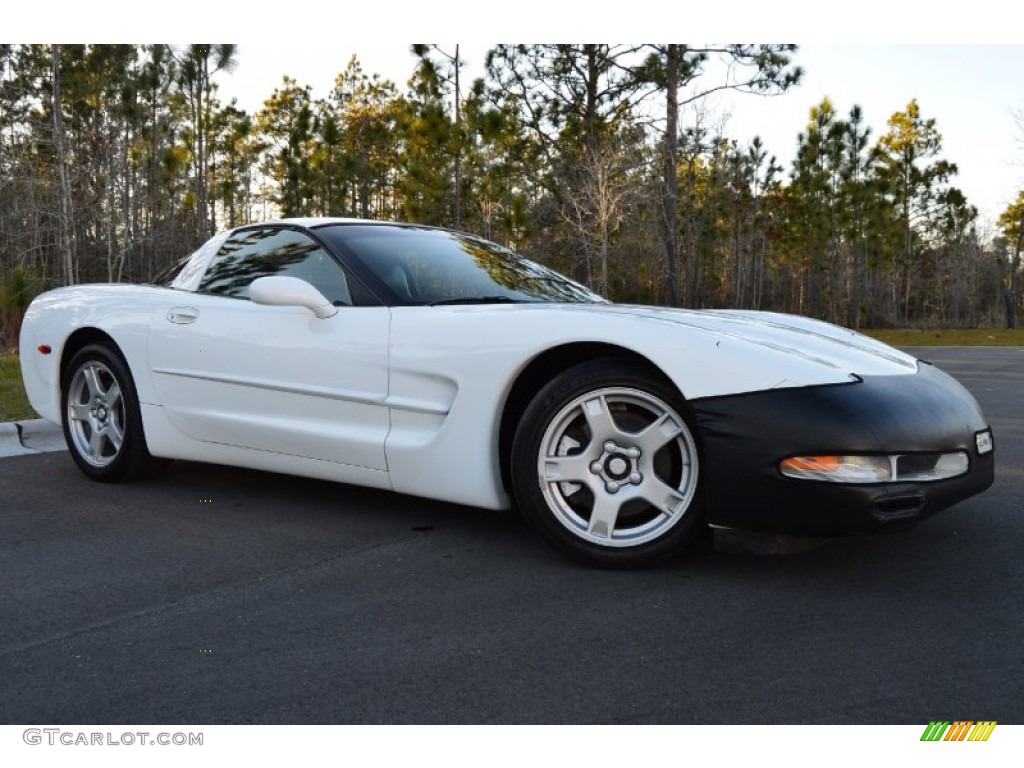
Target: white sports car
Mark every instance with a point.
(438, 364)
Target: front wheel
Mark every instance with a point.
(102, 421)
(606, 468)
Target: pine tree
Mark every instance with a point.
(1011, 221)
(366, 110)
(907, 165)
(196, 66)
(677, 69)
(286, 126)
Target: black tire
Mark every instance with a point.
(101, 418)
(593, 447)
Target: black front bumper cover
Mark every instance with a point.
(746, 436)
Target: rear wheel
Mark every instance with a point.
(606, 468)
(102, 421)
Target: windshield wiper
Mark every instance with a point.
(479, 300)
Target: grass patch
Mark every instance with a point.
(13, 402)
(955, 337)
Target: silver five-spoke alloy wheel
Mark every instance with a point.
(96, 413)
(618, 467)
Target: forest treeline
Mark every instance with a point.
(599, 160)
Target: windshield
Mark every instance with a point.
(433, 266)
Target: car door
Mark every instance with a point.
(274, 378)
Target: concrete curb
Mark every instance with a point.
(42, 435)
(10, 440)
(21, 438)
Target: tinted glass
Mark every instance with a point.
(425, 266)
(267, 252)
(166, 278)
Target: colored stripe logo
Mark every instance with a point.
(959, 730)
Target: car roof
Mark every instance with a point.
(315, 222)
(320, 221)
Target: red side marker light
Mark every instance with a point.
(44, 349)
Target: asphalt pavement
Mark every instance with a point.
(219, 595)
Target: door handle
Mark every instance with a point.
(182, 315)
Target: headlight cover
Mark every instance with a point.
(891, 468)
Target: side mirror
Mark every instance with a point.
(291, 292)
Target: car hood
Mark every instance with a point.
(791, 336)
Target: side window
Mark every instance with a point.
(166, 278)
(185, 274)
(267, 252)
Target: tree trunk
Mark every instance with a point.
(64, 193)
(458, 144)
(604, 260)
(671, 199)
(590, 114)
(1012, 297)
(202, 109)
(1010, 304)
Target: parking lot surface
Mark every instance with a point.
(218, 595)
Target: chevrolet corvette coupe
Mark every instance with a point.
(438, 364)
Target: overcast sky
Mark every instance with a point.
(963, 68)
